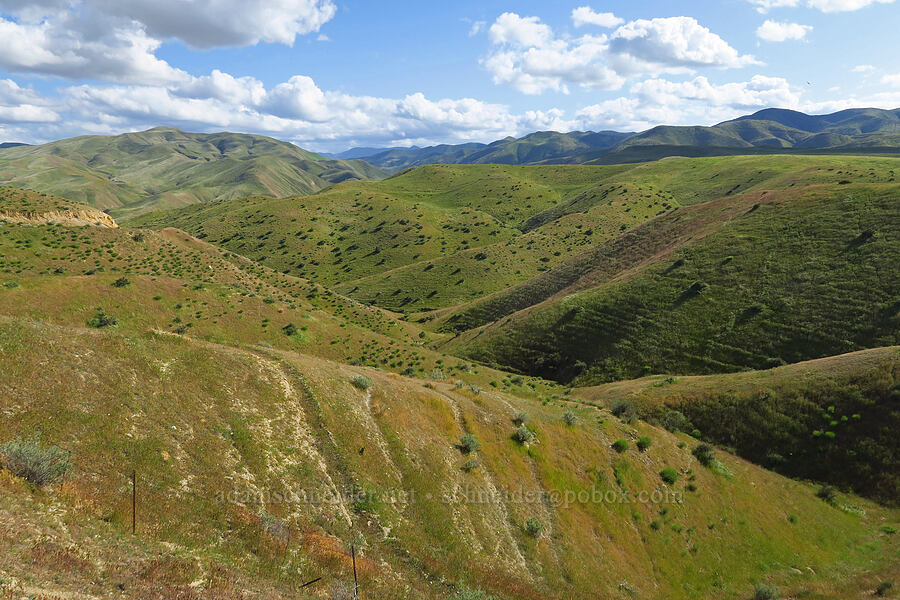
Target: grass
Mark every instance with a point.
(635, 304)
(164, 167)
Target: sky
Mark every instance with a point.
(334, 74)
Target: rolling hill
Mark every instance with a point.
(275, 424)
(164, 167)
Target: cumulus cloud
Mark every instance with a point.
(697, 101)
(584, 15)
(116, 41)
(775, 31)
(827, 6)
(528, 56)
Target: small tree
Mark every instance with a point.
(827, 493)
(675, 421)
(29, 460)
(289, 329)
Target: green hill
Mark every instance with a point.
(833, 419)
(220, 437)
(777, 268)
(274, 424)
(164, 167)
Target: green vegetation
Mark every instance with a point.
(534, 527)
(620, 445)
(362, 382)
(39, 465)
(468, 443)
(644, 442)
(765, 592)
(779, 417)
(669, 475)
(165, 167)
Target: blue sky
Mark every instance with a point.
(331, 74)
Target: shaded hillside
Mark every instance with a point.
(165, 167)
(833, 419)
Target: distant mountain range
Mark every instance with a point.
(165, 167)
(766, 131)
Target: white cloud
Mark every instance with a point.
(891, 80)
(863, 69)
(477, 27)
(775, 31)
(843, 5)
(527, 56)
(584, 15)
(525, 32)
(676, 41)
(212, 23)
(827, 6)
(697, 101)
(115, 40)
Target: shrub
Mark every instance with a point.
(474, 389)
(470, 465)
(533, 527)
(437, 374)
(889, 530)
(361, 382)
(569, 418)
(792, 518)
(101, 319)
(523, 435)
(289, 329)
(521, 418)
(883, 588)
(29, 460)
(468, 443)
(765, 592)
(674, 420)
(704, 454)
(620, 445)
(463, 592)
(655, 525)
(623, 409)
(644, 442)
(121, 282)
(827, 493)
(669, 475)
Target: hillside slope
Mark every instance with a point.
(225, 459)
(165, 167)
(797, 267)
(832, 419)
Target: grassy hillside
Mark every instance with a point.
(165, 167)
(833, 419)
(781, 267)
(217, 454)
(441, 235)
